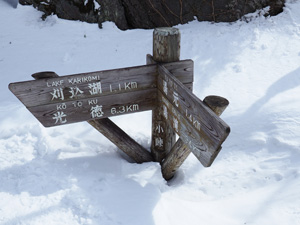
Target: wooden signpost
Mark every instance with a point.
(163, 86)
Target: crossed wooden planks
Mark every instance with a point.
(194, 122)
(95, 96)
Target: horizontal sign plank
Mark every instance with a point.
(96, 108)
(95, 84)
(95, 95)
(200, 128)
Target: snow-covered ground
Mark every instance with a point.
(72, 175)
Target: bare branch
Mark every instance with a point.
(159, 13)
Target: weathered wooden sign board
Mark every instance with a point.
(95, 95)
(164, 88)
(199, 128)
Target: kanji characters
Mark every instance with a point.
(175, 99)
(159, 142)
(57, 94)
(165, 87)
(75, 91)
(95, 88)
(159, 129)
(59, 117)
(96, 111)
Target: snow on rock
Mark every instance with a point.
(72, 175)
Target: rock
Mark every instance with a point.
(113, 10)
(148, 14)
(72, 10)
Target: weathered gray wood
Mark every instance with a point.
(200, 116)
(69, 99)
(111, 131)
(124, 142)
(166, 44)
(174, 159)
(180, 151)
(185, 130)
(95, 84)
(216, 103)
(150, 60)
(159, 137)
(97, 108)
(163, 137)
(162, 133)
(166, 48)
(44, 75)
(158, 134)
(84, 86)
(193, 121)
(183, 71)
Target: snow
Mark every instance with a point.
(97, 6)
(73, 175)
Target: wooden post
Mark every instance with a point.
(111, 131)
(44, 75)
(166, 44)
(166, 48)
(180, 151)
(216, 103)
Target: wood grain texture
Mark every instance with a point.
(166, 44)
(111, 131)
(166, 48)
(44, 75)
(174, 159)
(159, 137)
(186, 131)
(183, 70)
(74, 105)
(197, 125)
(180, 151)
(79, 86)
(97, 108)
(85, 85)
(163, 136)
(216, 103)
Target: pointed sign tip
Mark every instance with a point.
(10, 87)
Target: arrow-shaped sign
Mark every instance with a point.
(96, 95)
(198, 127)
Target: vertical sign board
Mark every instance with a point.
(198, 127)
(95, 95)
(161, 138)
